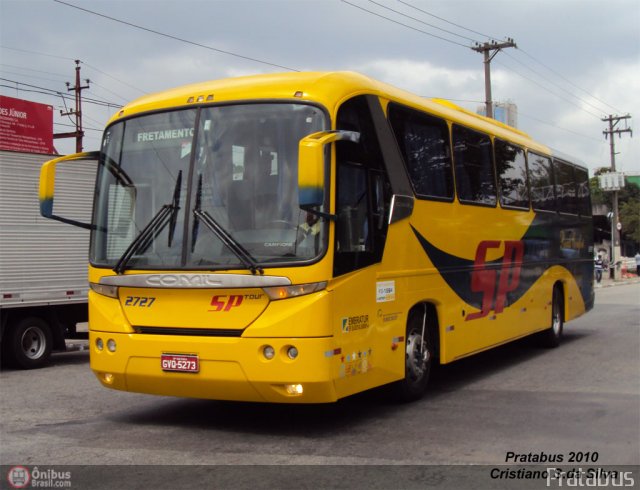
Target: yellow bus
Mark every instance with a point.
(302, 237)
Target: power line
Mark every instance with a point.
(73, 126)
(547, 123)
(403, 25)
(38, 53)
(447, 21)
(555, 84)
(555, 72)
(33, 70)
(70, 59)
(546, 89)
(113, 78)
(568, 81)
(175, 38)
(505, 66)
(49, 91)
(35, 77)
(421, 22)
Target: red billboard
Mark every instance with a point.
(26, 126)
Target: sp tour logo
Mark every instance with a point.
(495, 282)
(224, 302)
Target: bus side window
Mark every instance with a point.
(565, 187)
(363, 191)
(541, 181)
(584, 200)
(512, 175)
(424, 143)
(473, 162)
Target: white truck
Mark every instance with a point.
(43, 263)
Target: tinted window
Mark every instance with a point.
(565, 188)
(424, 143)
(363, 191)
(541, 182)
(512, 175)
(582, 184)
(475, 180)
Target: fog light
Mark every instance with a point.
(111, 345)
(99, 344)
(268, 352)
(292, 352)
(294, 389)
(108, 378)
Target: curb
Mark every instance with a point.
(612, 283)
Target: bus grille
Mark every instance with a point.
(195, 332)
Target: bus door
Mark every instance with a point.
(362, 206)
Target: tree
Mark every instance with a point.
(628, 205)
(630, 219)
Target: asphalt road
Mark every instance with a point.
(583, 397)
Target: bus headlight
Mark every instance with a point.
(105, 290)
(284, 292)
(268, 352)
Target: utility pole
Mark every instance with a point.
(489, 50)
(615, 232)
(78, 134)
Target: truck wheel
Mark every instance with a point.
(551, 337)
(28, 344)
(418, 355)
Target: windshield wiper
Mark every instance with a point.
(166, 214)
(231, 243)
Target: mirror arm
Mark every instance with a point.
(322, 214)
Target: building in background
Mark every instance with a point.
(505, 112)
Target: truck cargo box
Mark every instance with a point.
(43, 263)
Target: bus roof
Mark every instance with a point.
(327, 88)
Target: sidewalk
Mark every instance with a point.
(608, 282)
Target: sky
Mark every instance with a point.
(576, 61)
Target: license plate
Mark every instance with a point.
(181, 363)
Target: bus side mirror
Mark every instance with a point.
(401, 208)
(47, 186)
(311, 164)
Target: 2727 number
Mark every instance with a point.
(139, 301)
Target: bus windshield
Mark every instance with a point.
(206, 188)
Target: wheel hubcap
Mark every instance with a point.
(417, 356)
(33, 343)
(557, 318)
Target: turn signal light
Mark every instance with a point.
(284, 292)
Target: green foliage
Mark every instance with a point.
(628, 206)
(629, 192)
(630, 219)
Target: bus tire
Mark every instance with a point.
(418, 358)
(551, 337)
(28, 344)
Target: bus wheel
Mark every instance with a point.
(418, 355)
(551, 337)
(28, 344)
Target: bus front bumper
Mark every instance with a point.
(135, 365)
